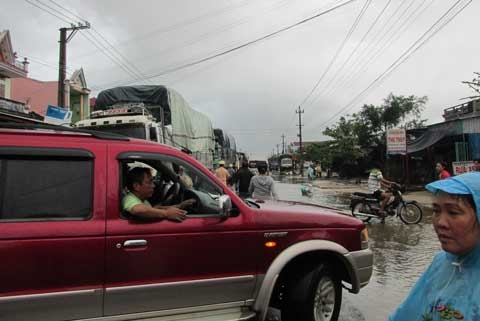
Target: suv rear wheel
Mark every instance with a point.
(313, 294)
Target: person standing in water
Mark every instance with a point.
(262, 186)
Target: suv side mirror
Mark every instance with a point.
(225, 204)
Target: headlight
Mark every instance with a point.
(364, 238)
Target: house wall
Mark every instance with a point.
(37, 94)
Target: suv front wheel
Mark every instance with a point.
(313, 294)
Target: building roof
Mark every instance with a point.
(9, 67)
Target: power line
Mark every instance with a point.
(173, 27)
(43, 9)
(68, 19)
(360, 67)
(124, 82)
(405, 55)
(349, 33)
(337, 53)
(132, 69)
(354, 76)
(270, 35)
(354, 50)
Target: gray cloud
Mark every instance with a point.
(253, 92)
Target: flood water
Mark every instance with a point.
(401, 253)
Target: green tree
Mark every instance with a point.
(363, 133)
(320, 152)
(372, 122)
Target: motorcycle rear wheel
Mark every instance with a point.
(362, 207)
(411, 213)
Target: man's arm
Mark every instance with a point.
(386, 183)
(170, 213)
(182, 205)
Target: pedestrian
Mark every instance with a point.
(441, 170)
(450, 287)
(311, 172)
(262, 186)
(242, 178)
(231, 171)
(476, 165)
(318, 170)
(221, 172)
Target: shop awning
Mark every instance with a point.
(433, 135)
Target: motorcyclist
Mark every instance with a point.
(378, 185)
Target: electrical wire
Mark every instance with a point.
(340, 48)
(335, 56)
(395, 37)
(374, 23)
(119, 59)
(68, 19)
(361, 66)
(434, 29)
(268, 36)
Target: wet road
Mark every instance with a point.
(401, 252)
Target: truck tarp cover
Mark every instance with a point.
(149, 95)
(190, 128)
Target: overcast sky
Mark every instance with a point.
(253, 92)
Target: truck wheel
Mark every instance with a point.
(313, 294)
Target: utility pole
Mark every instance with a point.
(283, 143)
(62, 63)
(300, 112)
(278, 152)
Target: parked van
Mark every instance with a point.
(69, 251)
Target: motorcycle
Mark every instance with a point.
(366, 206)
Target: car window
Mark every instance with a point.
(168, 173)
(45, 188)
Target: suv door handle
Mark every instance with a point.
(135, 243)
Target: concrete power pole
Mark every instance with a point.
(283, 144)
(62, 60)
(300, 112)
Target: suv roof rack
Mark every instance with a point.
(94, 133)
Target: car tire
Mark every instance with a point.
(313, 294)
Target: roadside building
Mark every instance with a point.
(456, 141)
(12, 69)
(39, 94)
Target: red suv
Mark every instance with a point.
(69, 252)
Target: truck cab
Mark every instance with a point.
(132, 121)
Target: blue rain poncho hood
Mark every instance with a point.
(450, 288)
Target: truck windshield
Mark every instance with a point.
(130, 130)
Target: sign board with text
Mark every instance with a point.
(58, 115)
(396, 141)
(463, 167)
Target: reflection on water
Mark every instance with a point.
(402, 252)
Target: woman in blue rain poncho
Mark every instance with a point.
(450, 288)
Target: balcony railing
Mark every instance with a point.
(459, 111)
